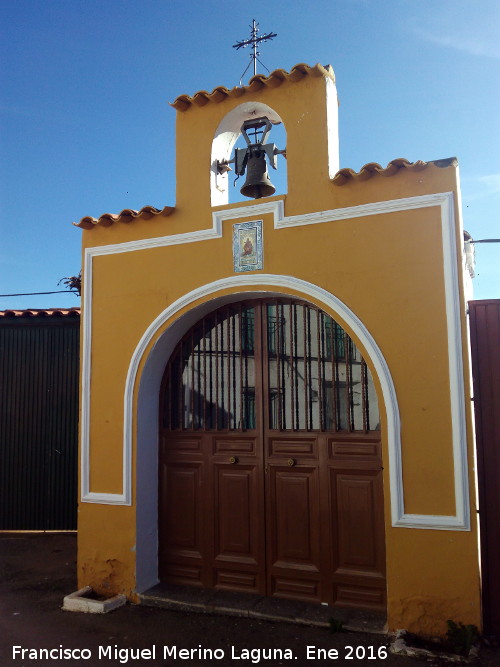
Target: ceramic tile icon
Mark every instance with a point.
(247, 246)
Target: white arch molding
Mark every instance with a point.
(149, 389)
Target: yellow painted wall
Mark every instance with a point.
(388, 269)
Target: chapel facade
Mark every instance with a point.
(275, 392)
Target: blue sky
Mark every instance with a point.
(86, 127)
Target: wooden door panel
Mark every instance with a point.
(288, 446)
(181, 535)
(239, 556)
(361, 596)
(229, 446)
(180, 446)
(181, 497)
(293, 532)
(294, 555)
(237, 525)
(356, 450)
(358, 533)
(355, 521)
(237, 580)
(293, 506)
(295, 587)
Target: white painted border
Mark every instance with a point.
(445, 201)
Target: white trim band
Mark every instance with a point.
(445, 201)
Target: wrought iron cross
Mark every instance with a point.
(253, 42)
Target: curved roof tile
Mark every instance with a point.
(372, 168)
(40, 313)
(257, 82)
(127, 215)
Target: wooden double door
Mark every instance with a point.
(270, 463)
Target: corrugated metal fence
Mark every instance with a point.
(485, 348)
(39, 368)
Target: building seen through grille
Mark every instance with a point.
(313, 374)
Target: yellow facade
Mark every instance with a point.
(380, 251)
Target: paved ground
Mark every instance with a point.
(37, 571)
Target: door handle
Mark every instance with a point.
(291, 462)
(233, 459)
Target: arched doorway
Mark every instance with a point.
(270, 459)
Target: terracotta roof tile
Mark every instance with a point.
(340, 178)
(372, 168)
(127, 215)
(40, 313)
(257, 82)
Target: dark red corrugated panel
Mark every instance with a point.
(485, 349)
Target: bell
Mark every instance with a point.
(257, 184)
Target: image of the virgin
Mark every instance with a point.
(247, 247)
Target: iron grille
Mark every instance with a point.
(313, 375)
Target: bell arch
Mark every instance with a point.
(156, 347)
(226, 135)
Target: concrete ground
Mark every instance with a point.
(38, 570)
